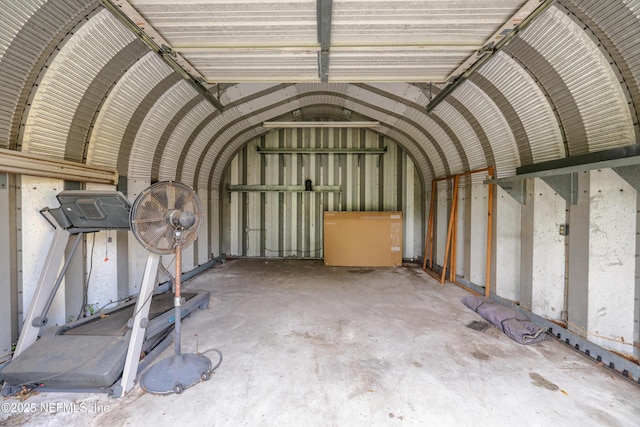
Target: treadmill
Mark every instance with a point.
(106, 351)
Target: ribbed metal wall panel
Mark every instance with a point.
(290, 224)
(323, 98)
(391, 111)
(379, 64)
(428, 92)
(495, 126)
(420, 127)
(377, 99)
(307, 94)
(394, 40)
(602, 109)
(154, 125)
(238, 92)
(118, 109)
(238, 41)
(225, 147)
(183, 132)
(452, 157)
(29, 31)
(533, 109)
(12, 19)
(212, 133)
(423, 164)
(617, 26)
(65, 83)
(335, 88)
(216, 139)
(465, 134)
(410, 93)
(414, 141)
(243, 65)
(313, 112)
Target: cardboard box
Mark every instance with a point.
(363, 239)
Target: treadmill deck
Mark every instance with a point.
(92, 354)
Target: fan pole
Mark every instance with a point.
(170, 206)
(177, 297)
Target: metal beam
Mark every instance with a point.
(157, 44)
(583, 159)
(561, 174)
(17, 162)
(605, 164)
(324, 8)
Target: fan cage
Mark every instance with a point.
(151, 212)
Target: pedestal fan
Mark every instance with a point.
(166, 218)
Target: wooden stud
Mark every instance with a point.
(487, 287)
(450, 227)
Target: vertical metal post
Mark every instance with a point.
(177, 302)
(45, 290)
(138, 330)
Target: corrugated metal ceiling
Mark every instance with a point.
(280, 40)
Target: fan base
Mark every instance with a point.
(174, 374)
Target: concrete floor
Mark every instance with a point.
(306, 344)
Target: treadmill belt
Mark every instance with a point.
(115, 322)
(65, 361)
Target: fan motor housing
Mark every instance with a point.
(166, 215)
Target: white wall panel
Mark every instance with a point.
(38, 193)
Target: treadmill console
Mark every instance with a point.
(95, 209)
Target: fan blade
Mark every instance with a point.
(184, 199)
(171, 195)
(162, 210)
(147, 220)
(159, 198)
(154, 204)
(151, 234)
